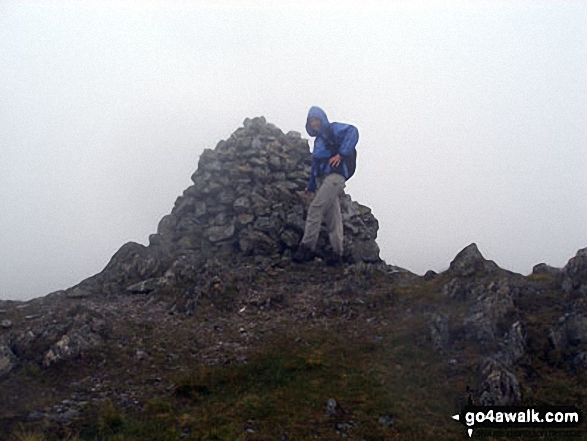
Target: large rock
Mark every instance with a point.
(497, 385)
(438, 325)
(543, 268)
(513, 348)
(575, 275)
(7, 359)
(571, 330)
(494, 302)
(469, 261)
(87, 331)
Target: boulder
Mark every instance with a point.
(543, 268)
(513, 348)
(575, 275)
(87, 331)
(438, 325)
(469, 261)
(7, 359)
(497, 385)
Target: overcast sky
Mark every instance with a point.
(472, 120)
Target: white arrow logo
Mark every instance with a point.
(457, 417)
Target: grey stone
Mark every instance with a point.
(256, 161)
(430, 274)
(543, 268)
(222, 232)
(242, 204)
(580, 361)
(365, 251)
(146, 286)
(7, 359)
(571, 330)
(480, 328)
(226, 197)
(331, 407)
(257, 242)
(86, 332)
(575, 275)
(439, 331)
(386, 420)
(498, 386)
(290, 238)
(167, 225)
(287, 185)
(245, 218)
(513, 347)
(469, 261)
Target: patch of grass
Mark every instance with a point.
(107, 422)
(111, 420)
(24, 435)
(284, 386)
(33, 371)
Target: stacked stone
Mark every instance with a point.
(248, 197)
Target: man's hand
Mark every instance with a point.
(335, 160)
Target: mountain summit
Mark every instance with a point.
(211, 332)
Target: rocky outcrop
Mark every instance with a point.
(498, 386)
(543, 268)
(513, 346)
(571, 330)
(438, 324)
(7, 359)
(86, 332)
(485, 319)
(575, 275)
(489, 324)
(470, 262)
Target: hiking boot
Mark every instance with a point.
(334, 260)
(302, 254)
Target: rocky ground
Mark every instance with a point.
(473, 332)
(211, 332)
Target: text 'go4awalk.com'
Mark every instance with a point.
(520, 417)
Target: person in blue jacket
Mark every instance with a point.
(333, 163)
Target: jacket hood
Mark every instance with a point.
(317, 112)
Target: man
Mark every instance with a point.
(333, 163)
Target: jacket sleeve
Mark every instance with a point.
(312, 181)
(351, 137)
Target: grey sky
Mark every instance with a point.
(472, 120)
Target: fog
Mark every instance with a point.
(471, 115)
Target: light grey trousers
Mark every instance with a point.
(326, 206)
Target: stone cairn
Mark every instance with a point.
(247, 200)
(248, 197)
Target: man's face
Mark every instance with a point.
(315, 124)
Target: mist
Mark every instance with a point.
(471, 115)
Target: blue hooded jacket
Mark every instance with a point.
(331, 138)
